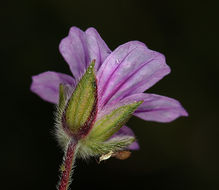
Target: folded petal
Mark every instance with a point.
(132, 68)
(46, 85)
(97, 48)
(80, 48)
(157, 108)
(126, 131)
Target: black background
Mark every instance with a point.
(174, 156)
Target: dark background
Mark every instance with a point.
(174, 156)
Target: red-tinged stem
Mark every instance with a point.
(66, 168)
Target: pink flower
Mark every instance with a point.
(121, 77)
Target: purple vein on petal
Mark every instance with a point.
(134, 88)
(97, 48)
(116, 89)
(110, 76)
(97, 65)
(83, 42)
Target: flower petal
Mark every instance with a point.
(46, 85)
(97, 48)
(132, 68)
(80, 48)
(157, 108)
(75, 51)
(126, 131)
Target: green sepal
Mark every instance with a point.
(62, 96)
(82, 101)
(62, 137)
(97, 148)
(109, 124)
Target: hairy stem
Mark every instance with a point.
(67, 166)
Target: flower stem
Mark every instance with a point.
(67, 166)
